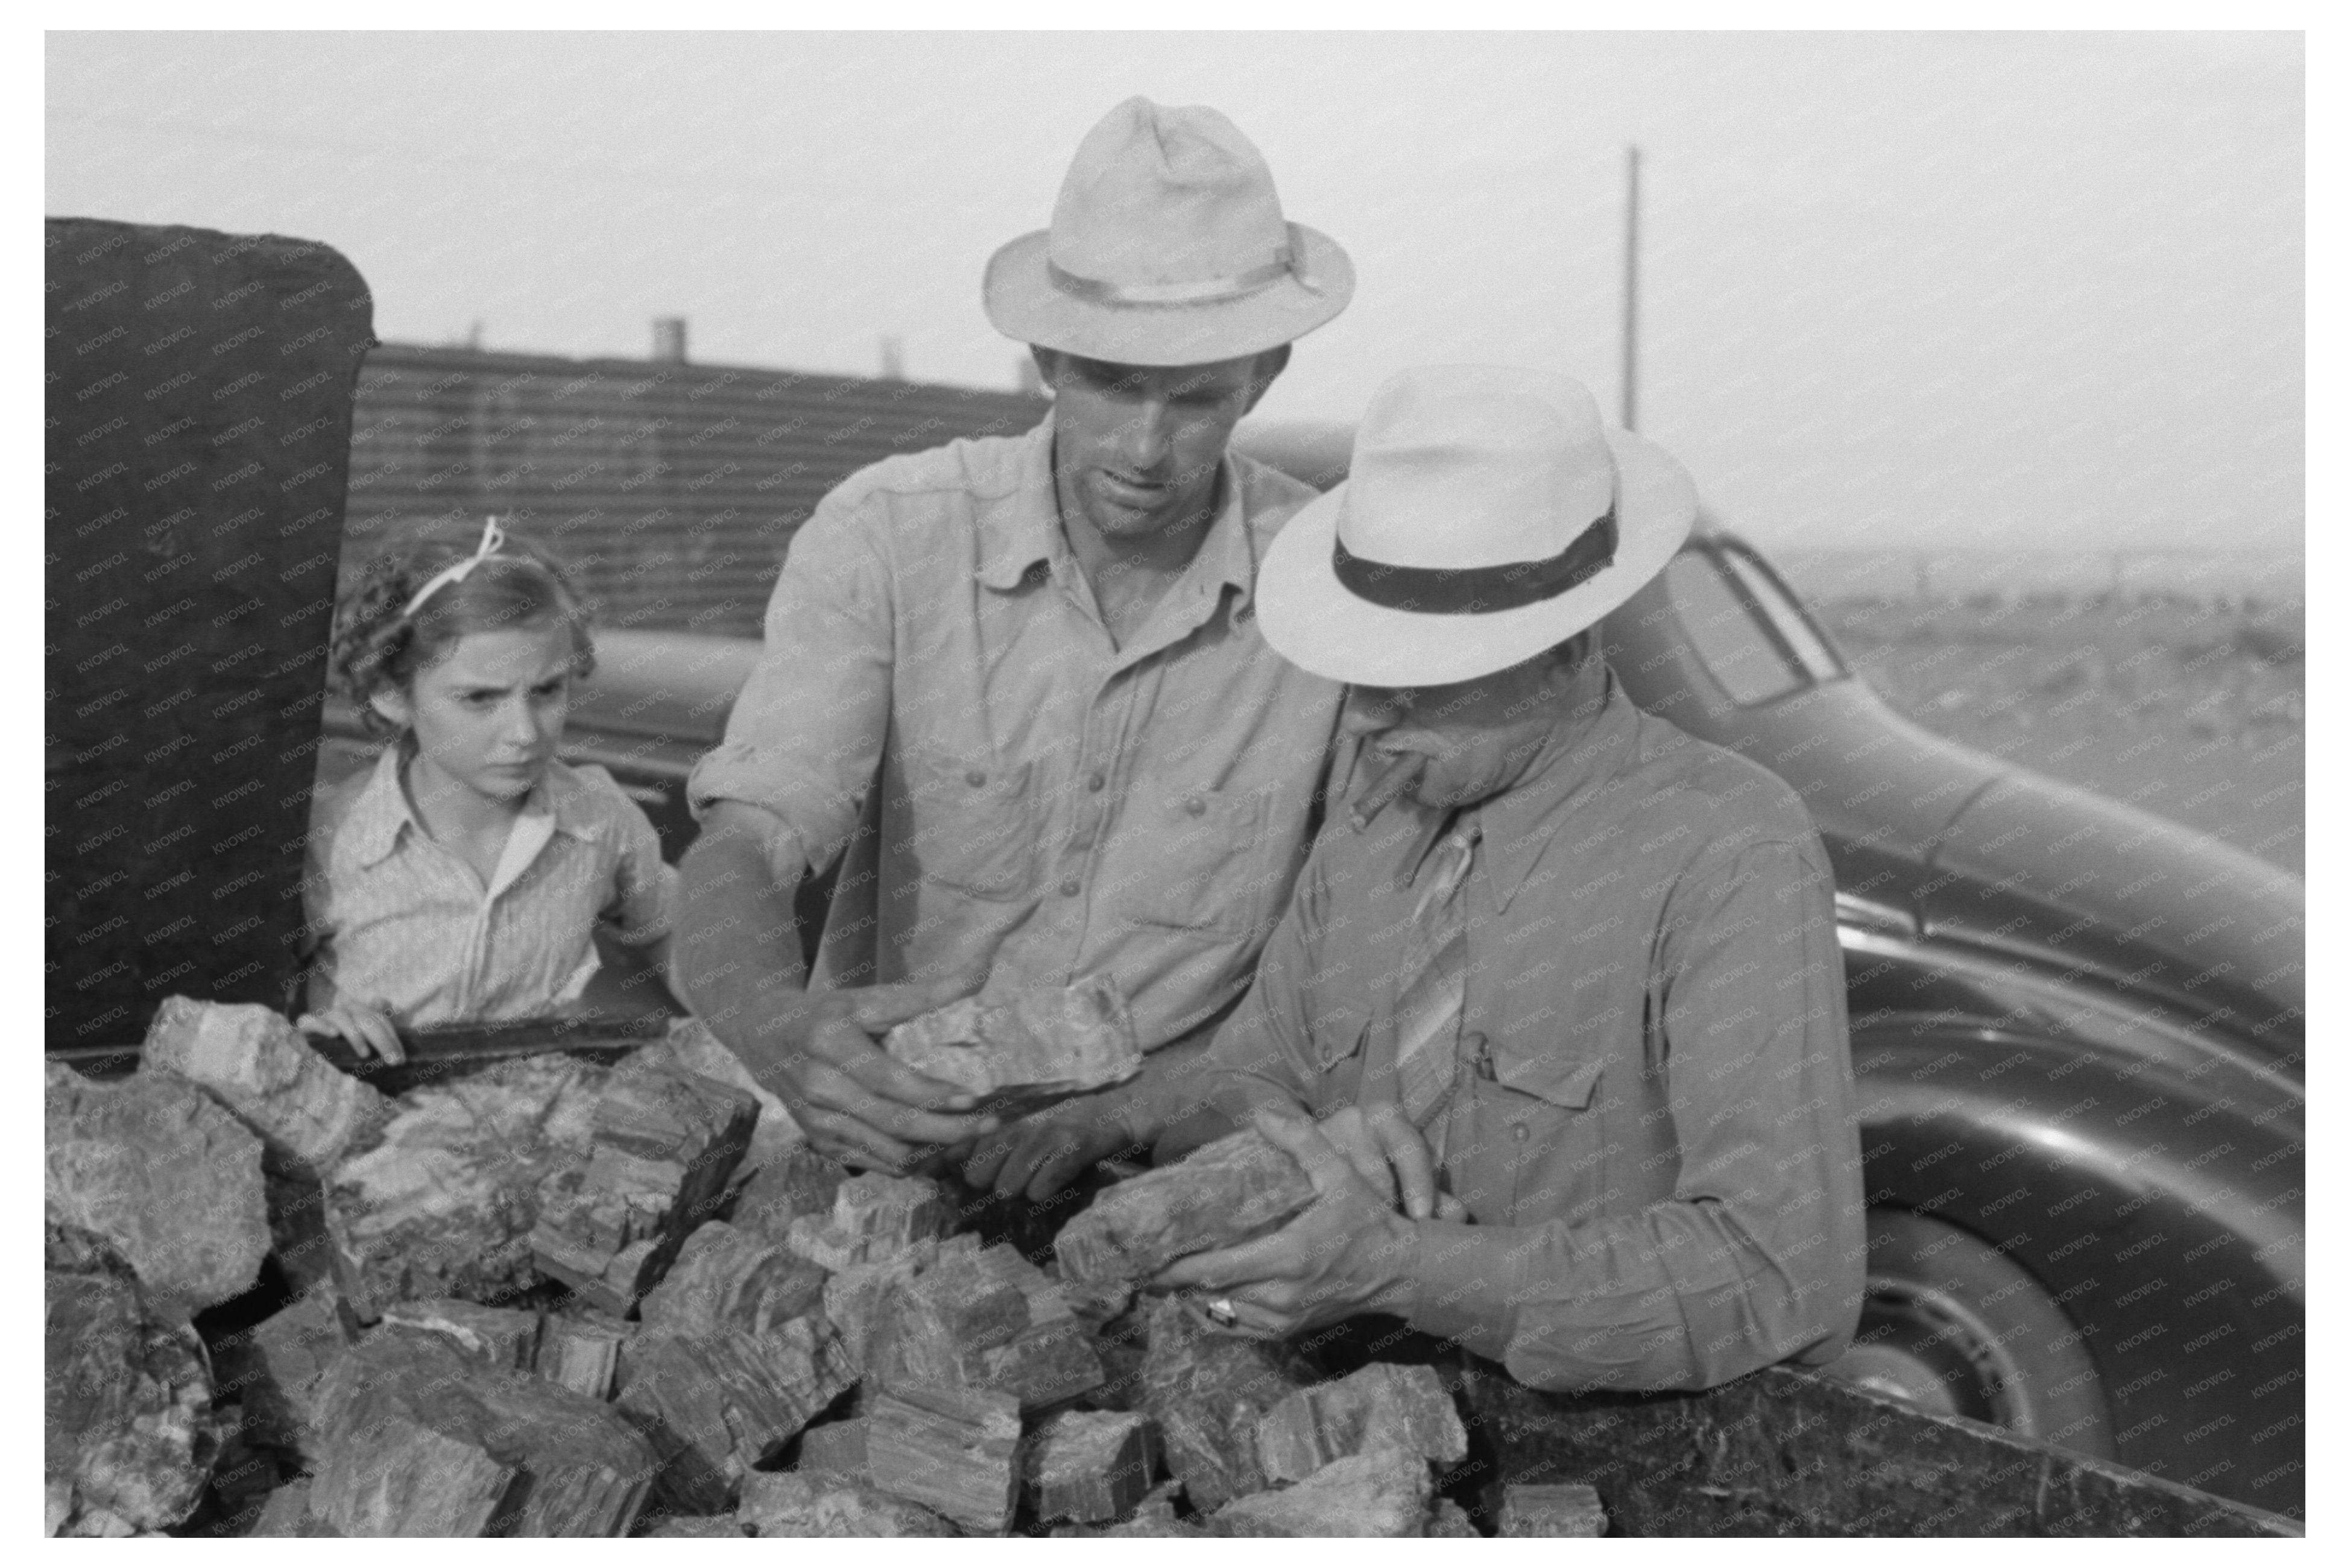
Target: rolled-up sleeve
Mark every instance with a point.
(805, 737)
(1758, 1256)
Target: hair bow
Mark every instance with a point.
(494, 538)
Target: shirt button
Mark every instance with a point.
(1519, 1132)
(1096, 781)
(974, 778)
(1196, 806)
(1069, 888)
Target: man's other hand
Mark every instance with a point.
(1347, 1253)
(1038, 1155)
(1387, 1152)
(853, 1103)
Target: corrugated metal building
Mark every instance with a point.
(671, 488)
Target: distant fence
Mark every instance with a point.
(1962, 574)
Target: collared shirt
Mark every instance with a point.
(1652, 1119)
(1021, 801)
(404, 924)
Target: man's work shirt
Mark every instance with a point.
(404, 924)
(1650, 1118)
(1049, 806)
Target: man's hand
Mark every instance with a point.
(1349, 1253)
(1387, 1152)
(853, 1103)
(367, 1030)
(1040, 1154)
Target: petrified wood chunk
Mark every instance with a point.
(582, 1351)
(1234, 1188)
(1531, 1509)
(287, 1513)
(694, 1527)
(836, 1446)
(276, 1368)
(953, 1451)
(968, 1320)
(934, 1325)
(697, 1050)
(726, 1277)
(1448, 1520)
(1207, 1392)
(503, 1337)
(717, 1403)
(853, 1298)
(127, 1442)
(1380, 1407)
(826, 1503)
(257, 1064)
(874, 1217)
(169, 1179)
(424, 1440)
(1042, 1043)
(801, 1181)
(1091, 1467)
(442, 1201)
(1381, 1492)
(666, 1141)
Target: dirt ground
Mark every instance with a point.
(2182, 708)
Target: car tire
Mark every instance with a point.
(1956, 1328)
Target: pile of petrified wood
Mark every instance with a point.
(549, 1299)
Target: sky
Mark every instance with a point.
(1978, 292)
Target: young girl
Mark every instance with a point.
(464, 875)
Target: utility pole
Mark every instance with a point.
(1631, 280)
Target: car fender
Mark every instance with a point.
(2163, 1217)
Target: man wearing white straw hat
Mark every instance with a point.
(1016, 685)
(1561, 981)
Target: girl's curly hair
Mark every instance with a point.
(376, 645)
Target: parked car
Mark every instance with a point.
(2077, 1028)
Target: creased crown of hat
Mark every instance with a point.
(1168, 246)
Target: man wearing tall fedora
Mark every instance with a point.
(1017, 687)
(1560, 982)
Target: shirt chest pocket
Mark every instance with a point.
(1200, 866)
(1528, 1142)
(974, 829)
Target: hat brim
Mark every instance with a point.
(1025, 303)
(1317, 623)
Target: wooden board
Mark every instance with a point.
(199, 397)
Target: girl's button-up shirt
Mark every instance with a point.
(404, 924)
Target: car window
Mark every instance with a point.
(1750, 665)
(1787, 616)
